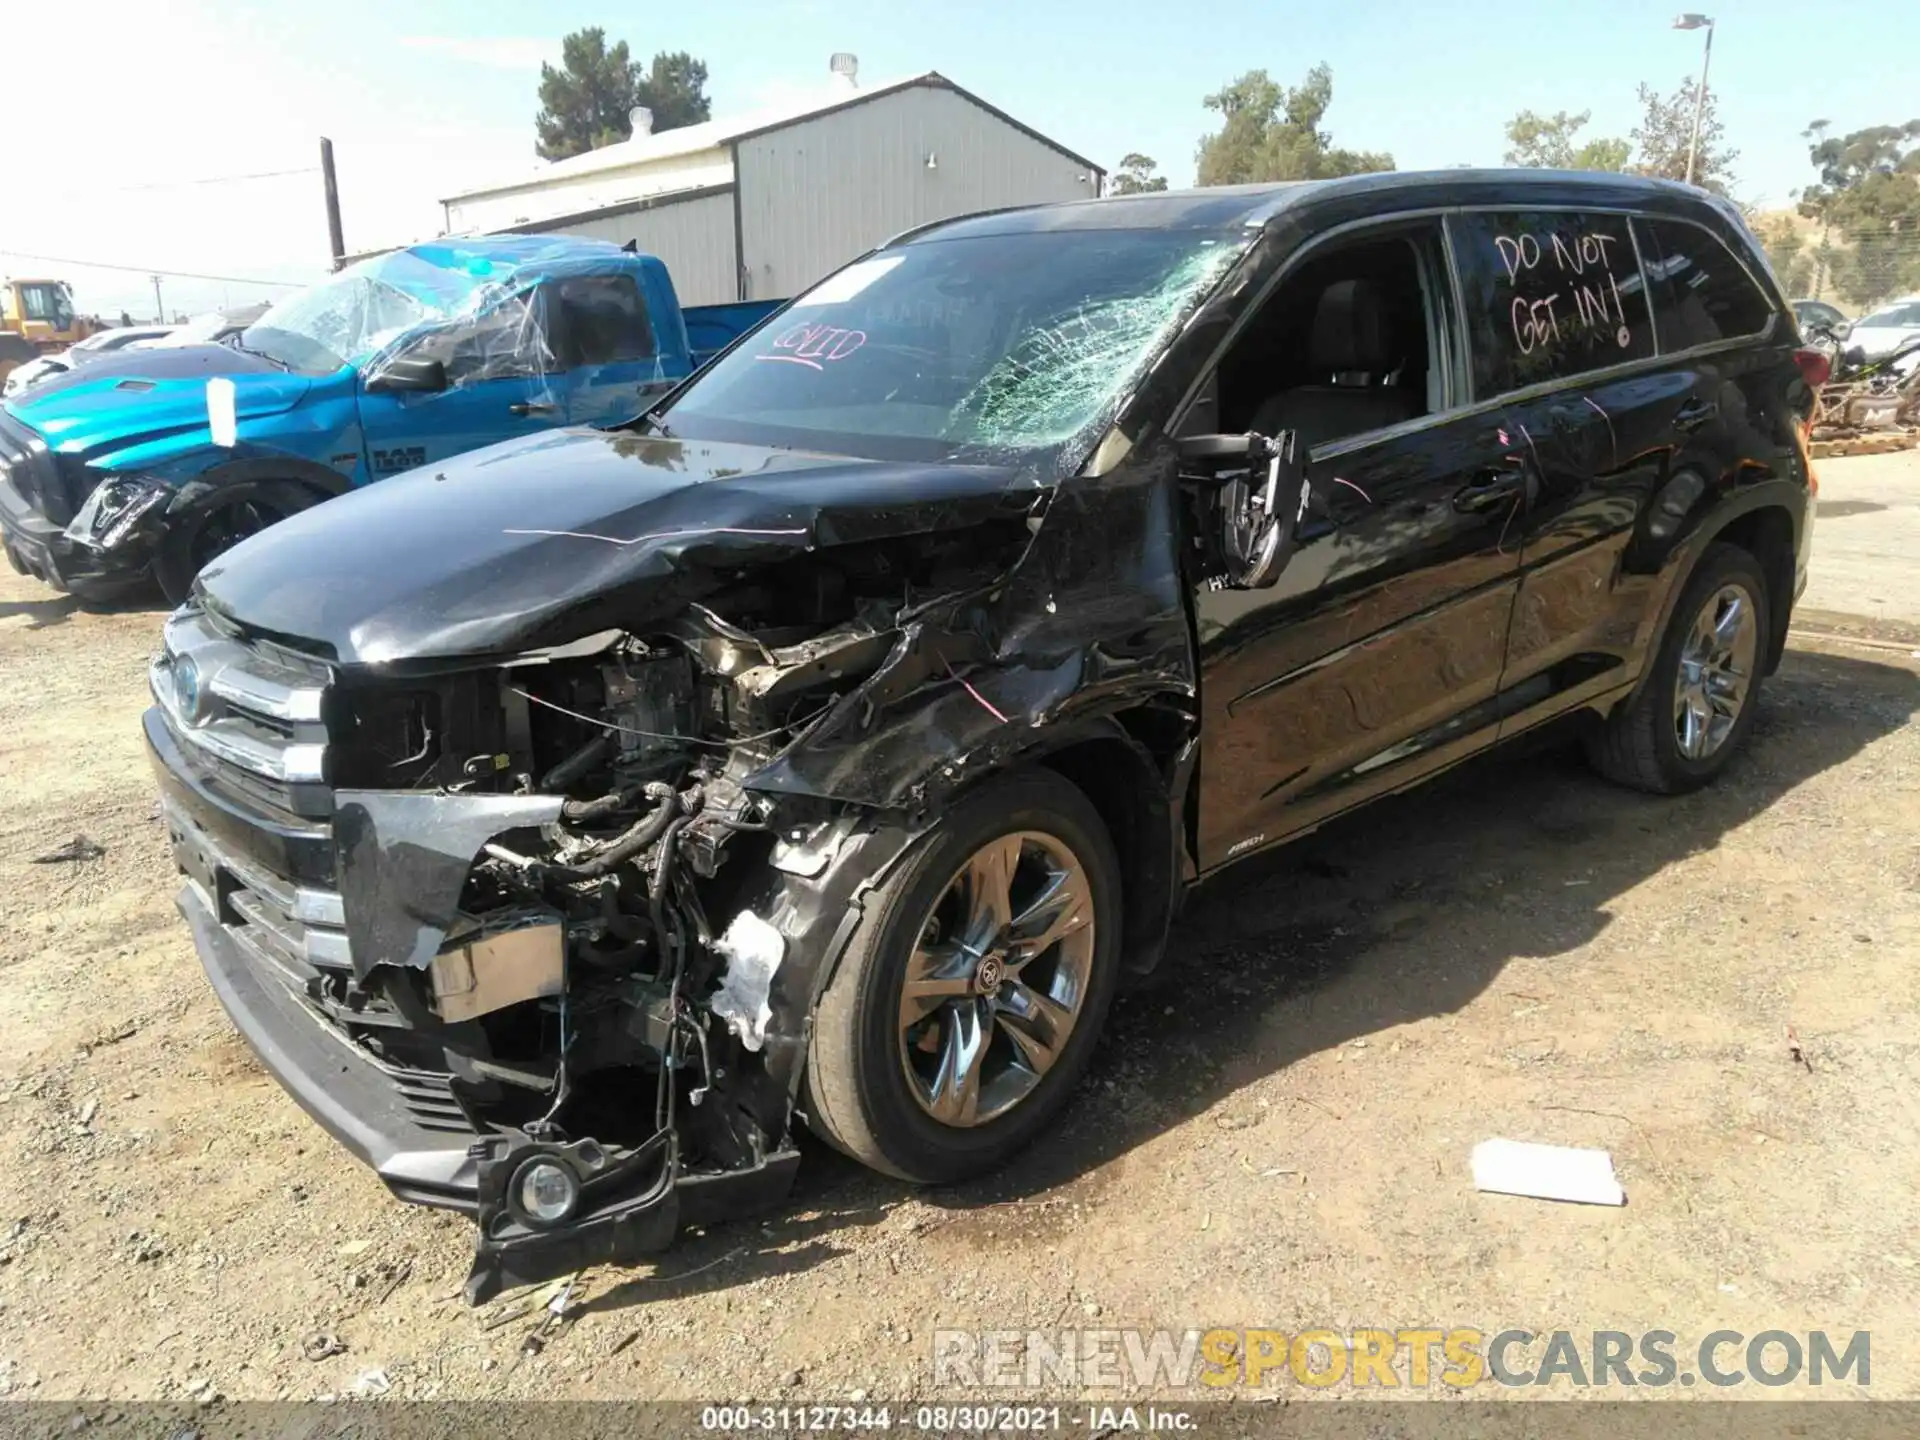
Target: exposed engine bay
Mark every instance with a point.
(524, 849)
(600, 981)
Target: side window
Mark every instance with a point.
(503, 342)
(1700, 292)
(599, 319)
(1351, 341)
(1548, 295)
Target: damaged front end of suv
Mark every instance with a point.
(528, 805)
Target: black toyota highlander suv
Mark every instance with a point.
(561, 823)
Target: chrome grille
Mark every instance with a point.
(248, 716)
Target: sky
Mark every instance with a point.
(122, 110)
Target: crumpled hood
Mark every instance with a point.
(552, 537)
(144, 395)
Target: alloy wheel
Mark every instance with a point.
(227, 525)
(997, 979)
(1716, 672)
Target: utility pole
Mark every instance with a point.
(159, 309)
(336, 242)
(1697, 22)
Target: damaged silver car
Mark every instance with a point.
(562, 823)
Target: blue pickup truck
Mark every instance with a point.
(155, 463)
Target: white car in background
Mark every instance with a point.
(214, 326)
(105, 342)
(207, 329)
(1886, 329)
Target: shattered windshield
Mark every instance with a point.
(971, 344)
(344, 320)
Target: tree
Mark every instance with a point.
(1547, 142)
(1272, 133)
(675, 90)
(1665, 130)
(1787, 252)
(1137, 173)
(1869, 190)
(588, 101)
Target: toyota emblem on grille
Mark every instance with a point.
(186, 687)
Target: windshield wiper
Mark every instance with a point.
(234, 340)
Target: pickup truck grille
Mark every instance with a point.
(34, 471)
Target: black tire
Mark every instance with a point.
(861, 1099)
(1639, 745)
(222, 520)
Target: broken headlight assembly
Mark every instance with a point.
(114, 508)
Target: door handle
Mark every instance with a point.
(1695, 413)
(532, 407)
(1490, 491)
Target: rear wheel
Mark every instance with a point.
(1698, 701)
(969, 1000)
(193, 538)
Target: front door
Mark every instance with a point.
(502, 382)
(1376, 656)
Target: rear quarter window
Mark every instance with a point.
(1701, 293)
(1548, 295)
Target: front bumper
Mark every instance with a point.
(332, 1080)
(264, 921)
(38, 547)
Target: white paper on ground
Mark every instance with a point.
(1546, 1172)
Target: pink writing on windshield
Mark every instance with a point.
(812, 344)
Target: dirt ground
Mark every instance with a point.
(1277, 1134)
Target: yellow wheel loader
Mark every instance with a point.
(37, 318)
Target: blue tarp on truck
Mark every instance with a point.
(157, 461)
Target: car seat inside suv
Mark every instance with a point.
(1353, 346)
(1341, 348)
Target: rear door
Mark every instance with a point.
(1610, 375)
(1375, 658)
(1563, 342)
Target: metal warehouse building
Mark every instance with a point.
(761, 206)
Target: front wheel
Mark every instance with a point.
(225, 518)
(1699, 699)
(970, 998)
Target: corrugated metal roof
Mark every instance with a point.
(717, 134)
(690, 139)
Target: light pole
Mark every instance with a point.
(1691, 21)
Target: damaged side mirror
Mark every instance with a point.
(409, 372)
(1264, 492)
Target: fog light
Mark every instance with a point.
(545, 1193)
